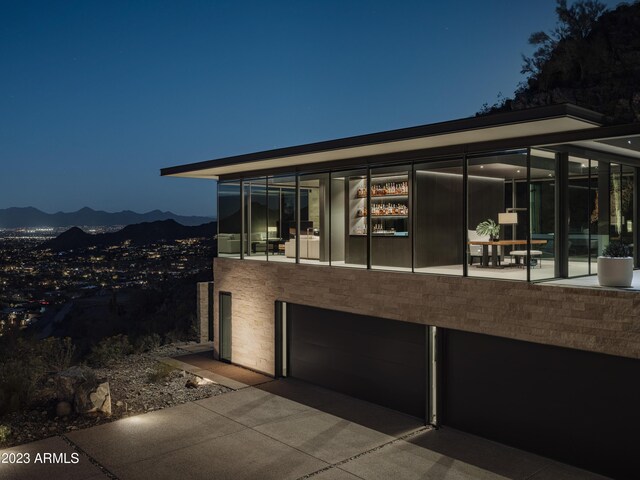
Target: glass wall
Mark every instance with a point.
(583, 216)
(390, 218)
(497, 216)
(229, 220)
(349, 218)
(255, 218)
(438, 209)
(542, 207)
(282, 228)
(411, 217)
(314, 218)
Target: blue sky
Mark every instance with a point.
(97, 96)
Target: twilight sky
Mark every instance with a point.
(97, 96)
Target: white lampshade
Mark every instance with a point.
(509, 218)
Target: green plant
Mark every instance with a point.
(109, 349)
(160, 372)
(4, 433)
(616, 249)
(488, 227)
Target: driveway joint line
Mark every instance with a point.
(92, 460)
(366, 452)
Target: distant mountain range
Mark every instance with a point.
(139, 234)
(32, 217)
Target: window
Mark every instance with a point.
(229, 219)
(438, 217)
(255, 217)
(282, 228)
(498, 199)
(390, 218)
(349, 218)
(314, 218)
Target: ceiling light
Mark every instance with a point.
(629, 142)
(517, 171)
(583, 165)
(549, 174)
(481, 166)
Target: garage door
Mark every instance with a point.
(378, 360)
(578, 407)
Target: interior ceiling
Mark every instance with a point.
(628, 147)
(538, 127)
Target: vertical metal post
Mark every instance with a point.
(296, 209)
(465, 220)
(528, 214)
(412, 184)
(368, 187)
(636, 230)
(561, 246)
(242, 229)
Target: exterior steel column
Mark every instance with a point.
(368, 187)
(528, 214)
(561, 247)
(465, 220)
(297, 210)
(636, 230)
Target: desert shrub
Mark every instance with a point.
(56, 353)
(160, 372)
(109, 350)
(148, 342)
(4, 433)
(19, 375)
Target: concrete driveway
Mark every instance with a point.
(280, 430)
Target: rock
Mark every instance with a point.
(100, 400)
(69, 381)
(63, 409)
(119, 403)
(79, 386)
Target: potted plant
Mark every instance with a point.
(615, 266)
(490, 228)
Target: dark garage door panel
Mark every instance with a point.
(578, 407)
(382, 361)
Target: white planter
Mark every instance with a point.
(615, 272)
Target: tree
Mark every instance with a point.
(574, 24)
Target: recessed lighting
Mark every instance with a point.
(549, 174)
(481, 166)
(517, 171)
(629, 142)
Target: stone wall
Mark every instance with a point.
(203, 311)
(597, 320)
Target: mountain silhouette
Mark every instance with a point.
(16, 217)
(139, 234)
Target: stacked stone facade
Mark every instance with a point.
(596, 320)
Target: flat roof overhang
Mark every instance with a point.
(541, 126)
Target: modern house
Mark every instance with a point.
(355, 264)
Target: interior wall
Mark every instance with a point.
(338, 221)
(486, 199)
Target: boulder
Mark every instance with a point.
(70, 380)
(80, 387)
(100, 399)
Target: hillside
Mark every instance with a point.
(139, 234)
(599, 71)
(32, 217)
